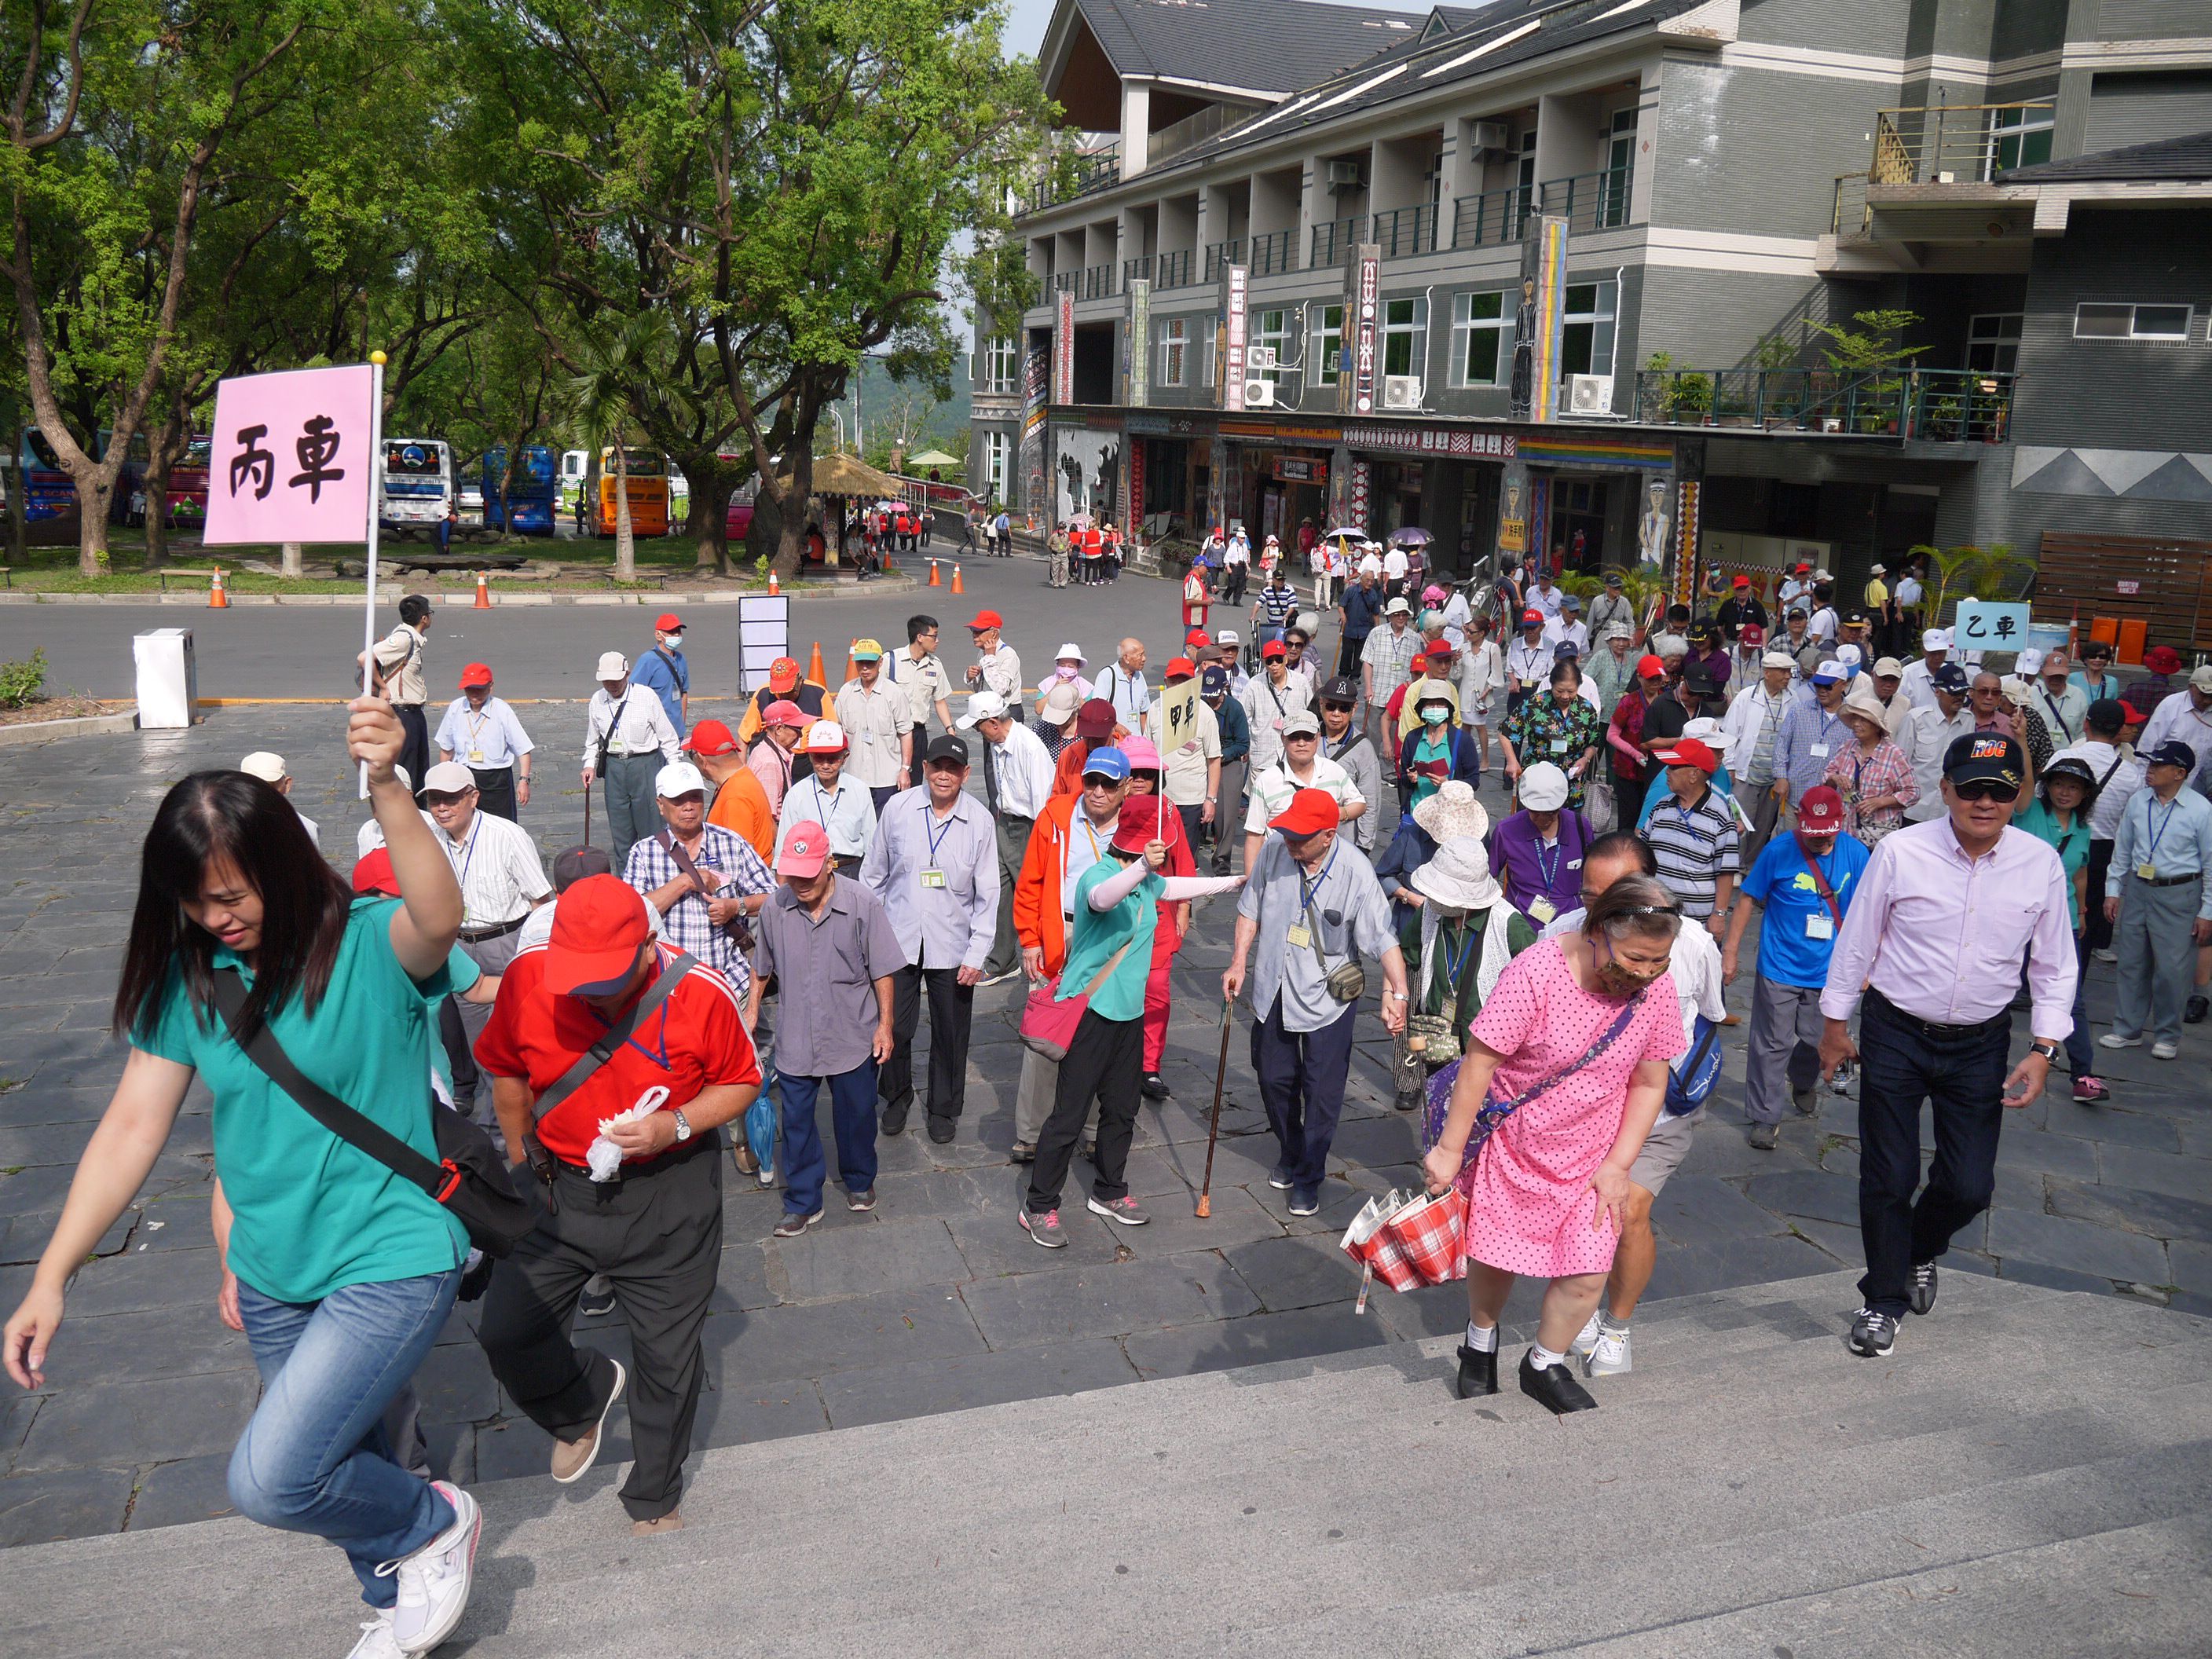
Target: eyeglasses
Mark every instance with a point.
(2003, 794)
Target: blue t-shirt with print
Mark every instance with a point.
(1781, 884)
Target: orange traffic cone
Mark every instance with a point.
(935, 580)
(484, 591)
(852, 663)
(218, 599)
(814, 665)
(958, 586)
(774, 587)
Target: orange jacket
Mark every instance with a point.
(1068, 770)
(1037, 917)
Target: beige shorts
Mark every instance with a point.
(1664, 1149)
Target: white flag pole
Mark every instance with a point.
(375, 505)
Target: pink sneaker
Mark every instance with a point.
(2091, 1090)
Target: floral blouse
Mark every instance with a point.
(1857, 776)
(1544, 729)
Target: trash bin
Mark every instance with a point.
(168, 680)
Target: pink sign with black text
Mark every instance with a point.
(292, 457)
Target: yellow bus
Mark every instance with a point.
(648, 492)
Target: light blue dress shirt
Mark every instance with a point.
(946, 919)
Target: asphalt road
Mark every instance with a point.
(308, 651)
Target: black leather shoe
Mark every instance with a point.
(1478, 1372)
(942, 1129)
(1923, 1287)
(1554, 1389)
(1155, 1087)
(894, 1119)
(2199, 1006)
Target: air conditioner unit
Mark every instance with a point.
(1590, 394)
(1345, 175)
(1258, 394)
(1487, 135)
(1259, 356)
(1400, 391)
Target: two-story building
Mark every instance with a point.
(1295, 279)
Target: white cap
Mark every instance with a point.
(1830, 670)
(2029, 663)
(1822, 576)
(1398, 607)
(983, 706)
(448, 778)
(1227, 636)
(1777, 660)
(678, 778)
(1849, 655)
(613, 666)
(824, 737)
(1705, 728)
(1070, 649)
(264, 765)
(1935, 639)
(1543, 787)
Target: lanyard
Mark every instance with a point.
(476, 724)
(936, 835)
(2151, 852)
(1550, 870)
(1455, 966)
(658, 1053)
(1308, 889)
(468, 854)
(1095, 853)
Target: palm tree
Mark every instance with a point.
(601, 402)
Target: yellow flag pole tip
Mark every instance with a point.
(377, 357)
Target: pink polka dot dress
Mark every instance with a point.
(1530, 1205)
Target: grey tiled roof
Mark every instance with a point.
(1268, 45)
(2189, 158)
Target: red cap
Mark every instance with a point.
(1753, 634)
(1743, 581)
(1196, 637)
(1650, 668)
(783, 674)
(374, 874)
(1803, 565)
(711, 737)
(1095, 718)
(476, 673)
(667, 622)
(1144, 820)
(1310, 811)
(1182, 668)
(1274, 648)
(806, 850)
(784, 712)
(1821, 811)
(597, 926)
(1689, 752)
(986, 619)
(1528, 616)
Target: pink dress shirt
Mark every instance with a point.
(1941, 935)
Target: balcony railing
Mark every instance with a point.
(1273, 254)
(1334, 241)
(1848, 215)
(1938, 405)
(1406, 231)
(1134, 270)
(1193, 130)
(1091, 283)
(1959, 143)
(1094, 170)
(1173, 269)
(1587, 201)
(1490, 220)
(1218, 254)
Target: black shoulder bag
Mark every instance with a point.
(735, 929)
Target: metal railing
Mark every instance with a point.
(1406, 231)
(1849, 214)
(1959, 143)
(1587, 201)
(1091, 283)
(1275, 253)
(1217, 254)
(1135, 271)
(1490, 220)
(1094, 170)
(1193, 130)
(1938, 406)
(1334, 241)
(1173, 269)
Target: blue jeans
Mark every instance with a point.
(852, 1115)
(315, 1459)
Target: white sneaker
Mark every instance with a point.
(376, 1641)
(1587, 1340)
(2164, 1050)
(2114, 1040)
(2105, 956)
(434, 1580)
(1610, 1357)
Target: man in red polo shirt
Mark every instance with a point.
(676, 1046)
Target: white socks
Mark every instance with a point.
(1479, 1340)
(1543, 1359)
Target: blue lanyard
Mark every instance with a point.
(2150, 853)
(936, 836)
(1454, 967)
(1307, 889)
(1550, 872)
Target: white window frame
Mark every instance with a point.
(1465, 325)
(1603, 320)
(1209, 348)
(1279, 337)
(1415, 330)
(998, 456)
(1175, 349)
(2134, 331)
(1328, 346)
(1002, 365)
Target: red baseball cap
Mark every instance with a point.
(1753, 634)
(1649, 668)
(1182, 668)
(1310, 811)
(598, 925)
(711, 737)
(1742, 581)
(476, 673)
(986, 620)
(783, 674)
(1195, 637)
(1528, 616)
(1095, 718)
(1821, 811)
(374, 874)
(1689, 752)
(668, 623)
(784, 712)
(1274, 648)
(806, 850)
(1803, 565)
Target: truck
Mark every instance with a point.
(532, 493)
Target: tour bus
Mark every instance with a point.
(418, 484)
(575, 465)
(531, 493)
(648, 492)
(48, 492)
(188, 485)
(51, 493)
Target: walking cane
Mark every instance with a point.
(1213, 1131)
(587, 815)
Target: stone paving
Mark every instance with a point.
(936, 1301)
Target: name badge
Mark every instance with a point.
(1819, 927)
(476, 757)
(1299, 936)
(1818, 751)
(1559, 745)
(2148, 872)
(932, 878)
(1543, 909)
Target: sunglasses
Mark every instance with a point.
(1336, 708)
(2003, 794)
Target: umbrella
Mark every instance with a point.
(1078, 521)
(1348, 534)
(932, 457)
(1411, 536)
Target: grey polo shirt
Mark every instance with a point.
(826, 970)
(938, 879)
(1353, 916)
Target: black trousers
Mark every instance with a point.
(952, 1011)
(1627, 800)
(1347, 655)
(414, 751)
(1959, 1070)
(2097, 932)
(495, 791)
(657, 1235)
(1106, 1058)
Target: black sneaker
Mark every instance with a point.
(1478, 1372)
(1873, 1335)
(2199, 1005)
(595, 1304)
(1155, 1087)
(1305, 1200)
(1554, 1387)
(1023, 1152)
(1764, 1135)
(894, 1119)
(1923, 1287)
(1807, 1101)
(1280, 1178)
(794, 1224)
(942, 1129)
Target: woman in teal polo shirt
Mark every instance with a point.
(346, 1272)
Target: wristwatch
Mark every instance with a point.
(2050, 1051)
(682, 1125)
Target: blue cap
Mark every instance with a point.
(1949, 678)
(1108, 762)
(1213, 682)
(2172, 752)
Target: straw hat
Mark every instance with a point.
(1867, 706)
(1452, 813)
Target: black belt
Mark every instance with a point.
(2169, 881)
(702, 1141)
(1936, 1028)
(479, 935)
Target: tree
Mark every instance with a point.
(600, 402)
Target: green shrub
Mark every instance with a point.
(22, 682)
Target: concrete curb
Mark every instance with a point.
(814, 592)
(85, 726)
